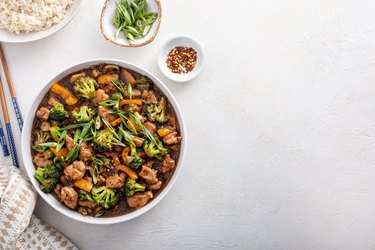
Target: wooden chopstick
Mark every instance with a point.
(8, 127)
(11, 89)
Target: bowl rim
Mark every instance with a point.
(26, 149)
(175, 41)
(38, 35)
(135, 45)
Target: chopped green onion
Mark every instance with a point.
(131, 18)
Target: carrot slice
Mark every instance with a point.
(84, 185)
(164, 131)
(107, 78)
(63, 152)
(132, 175)
(125, 154)
(130, 101)
(68, 97)
(116, 122)
(130, 121)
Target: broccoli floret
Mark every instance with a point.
(49, 154)
(55, 132)
(83, 195)
(84, 115)
(48, 177)
(156, 150)
(156, 113)
(58, 113)
(134, 161)
(103, 140)
(105, 197)
(143, 83)
(41, 137)
(85, 87)
(116, 96)
(131, 187)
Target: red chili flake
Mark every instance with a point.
(182, 60)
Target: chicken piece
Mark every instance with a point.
(75, 171)
(114, 156)
(75, 77)
(132, 108)
(172, 138)
(57, 191)
(83, 211)
(41, 160)
(139, 200)
(69, 142)
(95, 73)
(87, 204)
(136, 93)
(168, 164)
(150, 127)
(100, 96)
(148, 174)
(45, 126)
(138, 140)
(43, 113)
(63, 178)
(101, 180)
(150, 96)
(69, 196)
(155, 186)
(115, 181)
(52, 101)
(55, 123)
(86, 152)
(149, 164)
(103, 112)
(108, 87)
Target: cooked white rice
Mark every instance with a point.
(31, 15)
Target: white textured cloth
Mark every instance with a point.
(19, 228)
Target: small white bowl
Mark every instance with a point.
(6, 36)
(30, 169)
(185, 42)
(108, 29)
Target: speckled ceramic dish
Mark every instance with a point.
(108, 29)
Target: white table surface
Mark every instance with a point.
(281, 124)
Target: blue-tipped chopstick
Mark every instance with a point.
(3, 141)
(8, 127)
(11, 89)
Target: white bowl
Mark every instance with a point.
(108, 29)
(186, 42)
(6, 36)
(30, 169)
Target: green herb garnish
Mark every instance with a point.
(131, 18)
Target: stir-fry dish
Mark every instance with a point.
(105, 141)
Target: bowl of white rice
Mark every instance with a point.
(30, 20)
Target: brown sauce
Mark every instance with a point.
(174, 152)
